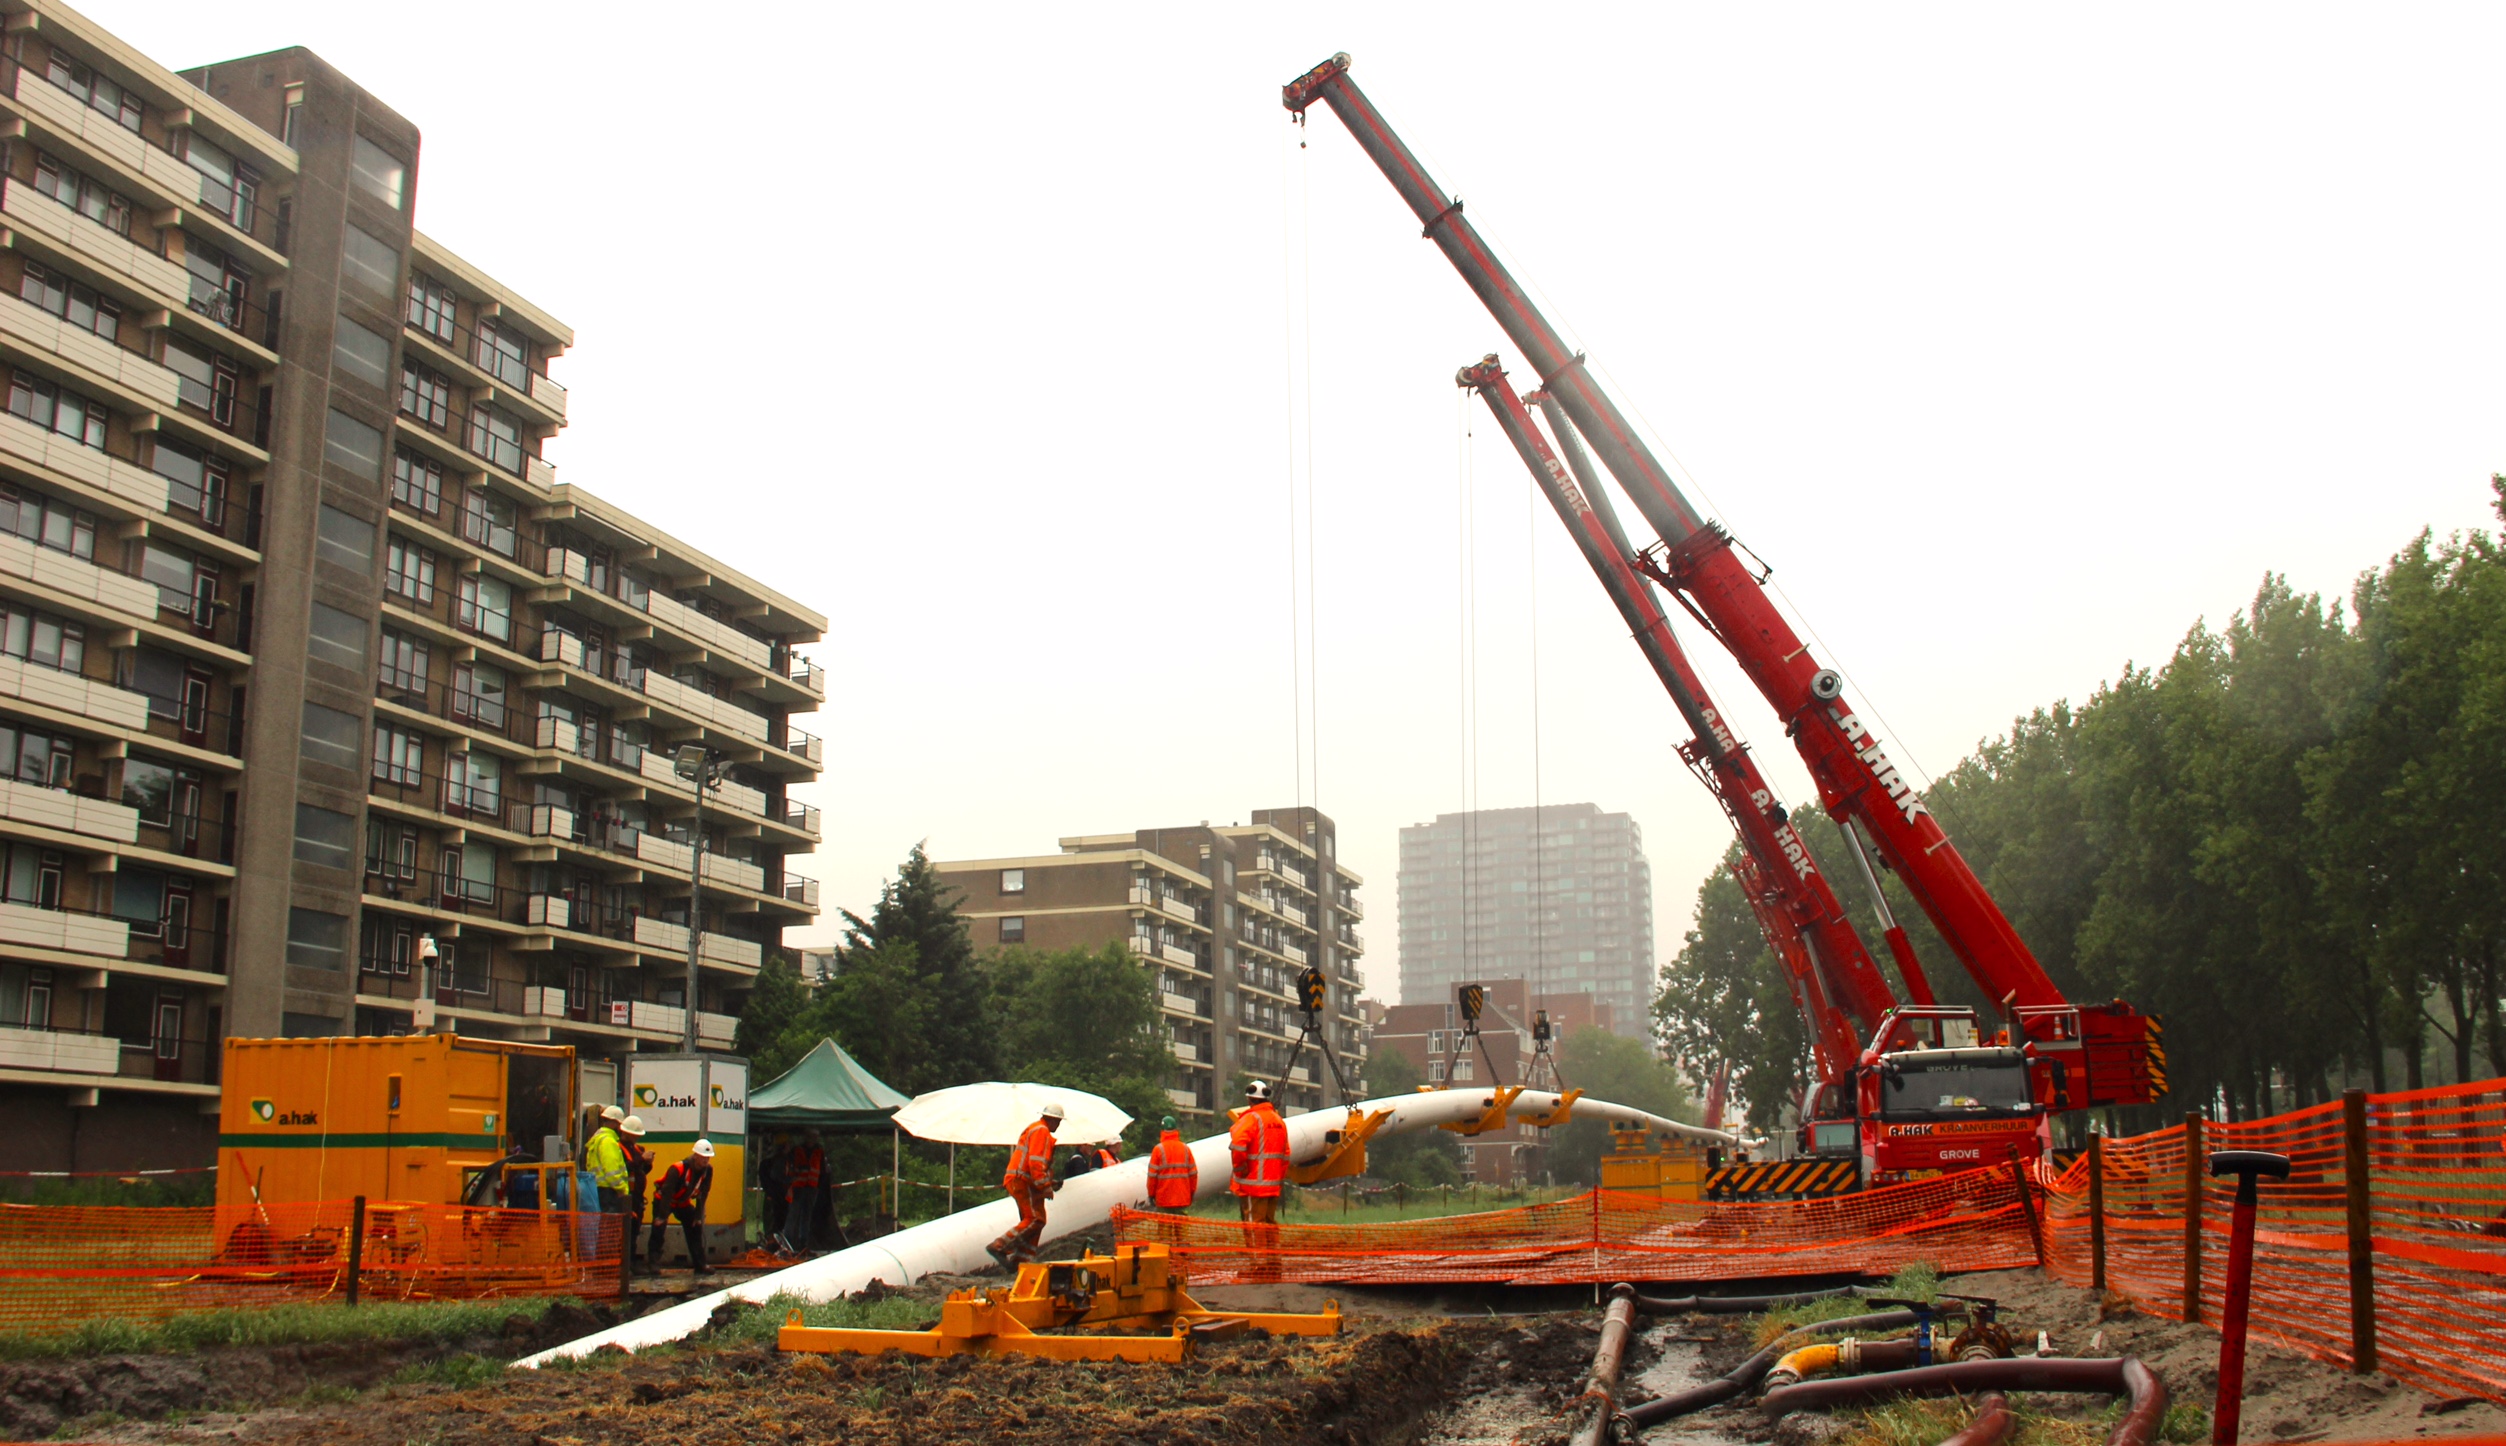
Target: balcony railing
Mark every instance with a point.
(439, 698)
(795, 814)
(801, 891)
(106, 935)
(805, 746)
(516, 374)
(809, 675)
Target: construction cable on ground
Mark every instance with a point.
(2145, 1394)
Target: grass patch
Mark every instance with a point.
(1323, 1207)
(288, 1324)
(1919, 1281)
(757, 1324)
(461, 1371)
(1922, 1423)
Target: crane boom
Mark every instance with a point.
(2094, 1055)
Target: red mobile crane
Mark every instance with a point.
(2078, 1056)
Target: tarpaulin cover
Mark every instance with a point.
(827, 1090)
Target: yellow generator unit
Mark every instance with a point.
(410, 1118)
(1675, 1170)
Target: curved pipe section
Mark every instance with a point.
(2146, 1395)
(1993, 1423)
(953, 1244)
(1749, 1372)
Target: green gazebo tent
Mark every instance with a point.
(827, 1090)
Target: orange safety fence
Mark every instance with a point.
(1970, 1221)
(2436, 1194)
(62, 1265)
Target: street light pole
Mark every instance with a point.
(702, 767)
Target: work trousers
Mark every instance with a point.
(691, 1229)
(800, 1218)
(1260, 1214)
(1024, 1239)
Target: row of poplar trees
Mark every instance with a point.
(2288, 840)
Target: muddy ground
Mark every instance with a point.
(1466, 1367)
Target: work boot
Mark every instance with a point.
(1000, 1259)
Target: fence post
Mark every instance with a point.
(2361, 1235)
(356, 1244)
(2195, 1199)
(2027, 1204)
(2097, 1213)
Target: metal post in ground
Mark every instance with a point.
(2027, 1204)
(2193, 1202)
(356, 1245)
(2097, 1213)
(2362, 1352)
(2247, 1166)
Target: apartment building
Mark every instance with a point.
(1570, 907)
(1431, 1035)
(1226, 917)
(310, 668)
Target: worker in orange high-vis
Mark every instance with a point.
(1029, 1181)
(1257, 1148)
(1174, 1178)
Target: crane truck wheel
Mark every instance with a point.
(1826, 684)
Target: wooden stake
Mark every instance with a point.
(2362, 1350)
(356, 1245)
(2097, 1213)
(2195, 1199)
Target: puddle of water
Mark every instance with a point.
(1682, 1365)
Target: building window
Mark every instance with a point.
(325, 836)
(391, 850)
(177, 576)
(379, 173)
(202, 381)
(372, 262)
(478, 694)
(425, 396)
(344, 538)
(503, 357)
(417, 482)
(495, 436)
(485, 607)
(194, 481)
(1014, 929)
(399, 755)
(81, 194)
(105, 97)
(1013, 881)
(430, 306)
(291, 130)
(352, 444)
(72, 301)
(46, 760)
(489, 521)
(57, 409)
(217, 286)
(337, 637)
(45, 522)
(474, 782)
(361, 353)
(404, 662)
(330, 736)
(1435, 1041)
(409, 571)
(226, 184)
(316, 939)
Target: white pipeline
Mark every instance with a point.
(953, 1244)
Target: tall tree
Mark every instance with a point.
(919, 912)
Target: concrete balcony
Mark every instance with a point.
(1184, 1099)
(538, 473)
(1189, 1054)
(58, 808)
(549, 911)
(716, 1029)
(33, 446)
(91, 353)
(557, 733)
(736, 797)
(1176, 905)
(52, 1049)
(544, 1003)
(34, 928)
(66, 115)
(1353, 908)
(43, 687)
(801, 891)
(548, 394)
(662, 1019)
(719, 637)
(565, 648)
(687, 702)
(662, 936)
(547, 820)
(65, 230)
(1179, 1003)
(663, 853)
(738, 873)
(1294, 954)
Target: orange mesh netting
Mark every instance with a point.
(1968, 1221)
(2436, 1177)
(60, 1265)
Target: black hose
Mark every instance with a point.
(1733, 1304)
(1749, 1372)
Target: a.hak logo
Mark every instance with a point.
(1875, 758)
(1795, 852)
(268, 1113)
(651, 1098)
(726, 1101)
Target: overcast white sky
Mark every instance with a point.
(2016, 338)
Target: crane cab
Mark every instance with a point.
(1935, 1096)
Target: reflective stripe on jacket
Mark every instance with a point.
(1174, 1177)
(1031, 1160)
(684, 1187)
(1257, 1146)
(808, 1166)
(606, 1159)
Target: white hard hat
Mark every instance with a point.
(704, 1149)
(1257, 1090)
(612, 1113)
(632, 1125)
(1054, 1111)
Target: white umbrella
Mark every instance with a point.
(995, 1113)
